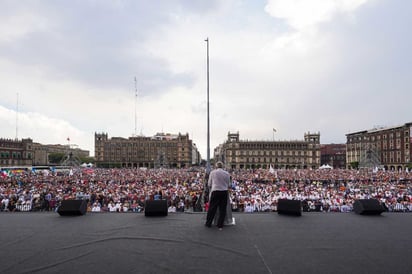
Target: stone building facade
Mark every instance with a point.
(25, 152)
(16, 152)
(386, 147)
(161, 150)
(245, 154)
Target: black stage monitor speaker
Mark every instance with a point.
(290, 207)
(72, 208)
(155, 208)
(368, 207)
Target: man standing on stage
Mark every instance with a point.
(218, 183)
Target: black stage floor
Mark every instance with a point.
(180, 243)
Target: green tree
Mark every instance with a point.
(56, 158)
(354, 165)
(87, 160)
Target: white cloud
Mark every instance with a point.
(42, 129)
(304, 18)
(14, 27)
(295, 65)
(304, 14)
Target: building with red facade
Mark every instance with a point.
(333, 155)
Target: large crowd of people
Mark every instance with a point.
(126, 190)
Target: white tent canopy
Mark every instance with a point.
(325, 167)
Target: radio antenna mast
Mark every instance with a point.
(17, 117)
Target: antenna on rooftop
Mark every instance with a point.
(17, 117)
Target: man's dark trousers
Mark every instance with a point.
(218, 199)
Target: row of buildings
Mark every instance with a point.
(385, 147)
(25, 152)
(388, 148)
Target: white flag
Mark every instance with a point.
(271, 170)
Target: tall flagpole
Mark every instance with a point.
(135, 107)
(205, 193)
(208, 119)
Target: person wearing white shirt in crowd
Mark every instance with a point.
(5, 203)
(266, 207)
(96, 207)
(118, 206)
(398, 207)
(171, 208)
(345, 208)
(248, 208)
(111, 207)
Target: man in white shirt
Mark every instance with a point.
(218, 183)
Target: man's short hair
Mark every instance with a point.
(219, 164)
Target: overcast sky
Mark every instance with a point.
(328, 66)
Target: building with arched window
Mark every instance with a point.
(385, 147)
(162, 150)
(15, 152)
(246, 154)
